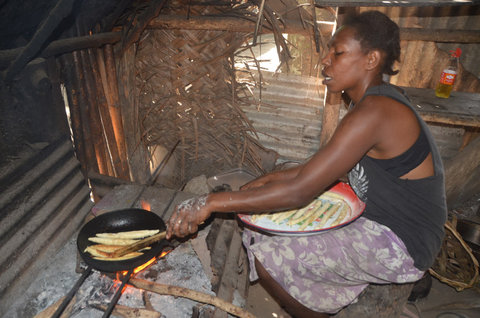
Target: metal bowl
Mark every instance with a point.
(469, 230)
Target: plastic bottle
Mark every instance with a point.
(447, 79)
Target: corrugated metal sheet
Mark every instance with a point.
(289, 118)
(45, 201)
(288, 114)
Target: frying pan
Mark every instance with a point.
(116, 221)
(120, 221)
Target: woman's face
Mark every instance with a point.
(344, 64)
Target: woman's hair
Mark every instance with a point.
(375, 30)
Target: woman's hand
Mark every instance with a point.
(187, 216)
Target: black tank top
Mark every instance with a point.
(415, 210)
(407, 161)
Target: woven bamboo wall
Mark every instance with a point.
(187, 92)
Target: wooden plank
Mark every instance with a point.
(218, 241)
(440, 35)
(461, 109)
(229, 282)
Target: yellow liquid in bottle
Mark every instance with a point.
(443, 90)
(445, 85)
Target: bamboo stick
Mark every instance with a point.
(96, 130)
(115, 112)
(136, 152)
(104, 102)
(81, 109)
(66, 61)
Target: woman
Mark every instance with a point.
(393, 165)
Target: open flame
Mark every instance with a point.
(145, 205)
(143, 266)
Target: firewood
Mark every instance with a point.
(49, 311)
(191, 294)
(129, 312)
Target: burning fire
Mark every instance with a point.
(143, 266)
(145, 205)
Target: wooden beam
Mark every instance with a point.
(64, 46)
(296, 27)
(229, 24)
(62, 9)
(440, 35)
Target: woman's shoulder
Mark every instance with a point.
(382, 105)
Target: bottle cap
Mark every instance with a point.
(457, 52)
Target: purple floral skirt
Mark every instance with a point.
(327, 271)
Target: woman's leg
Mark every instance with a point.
(291, 305)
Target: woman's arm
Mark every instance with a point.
(354, 137)
(286, 174)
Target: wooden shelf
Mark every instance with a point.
(460, 109)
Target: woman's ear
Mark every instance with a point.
(374, 59)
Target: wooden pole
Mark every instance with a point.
(73, 92)
(115, 112)
(137, 154)
(331, 112)
(296, 27)
(229, 24)
(101, 89)
(81, 109)
(96, 130)
(64, 46)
